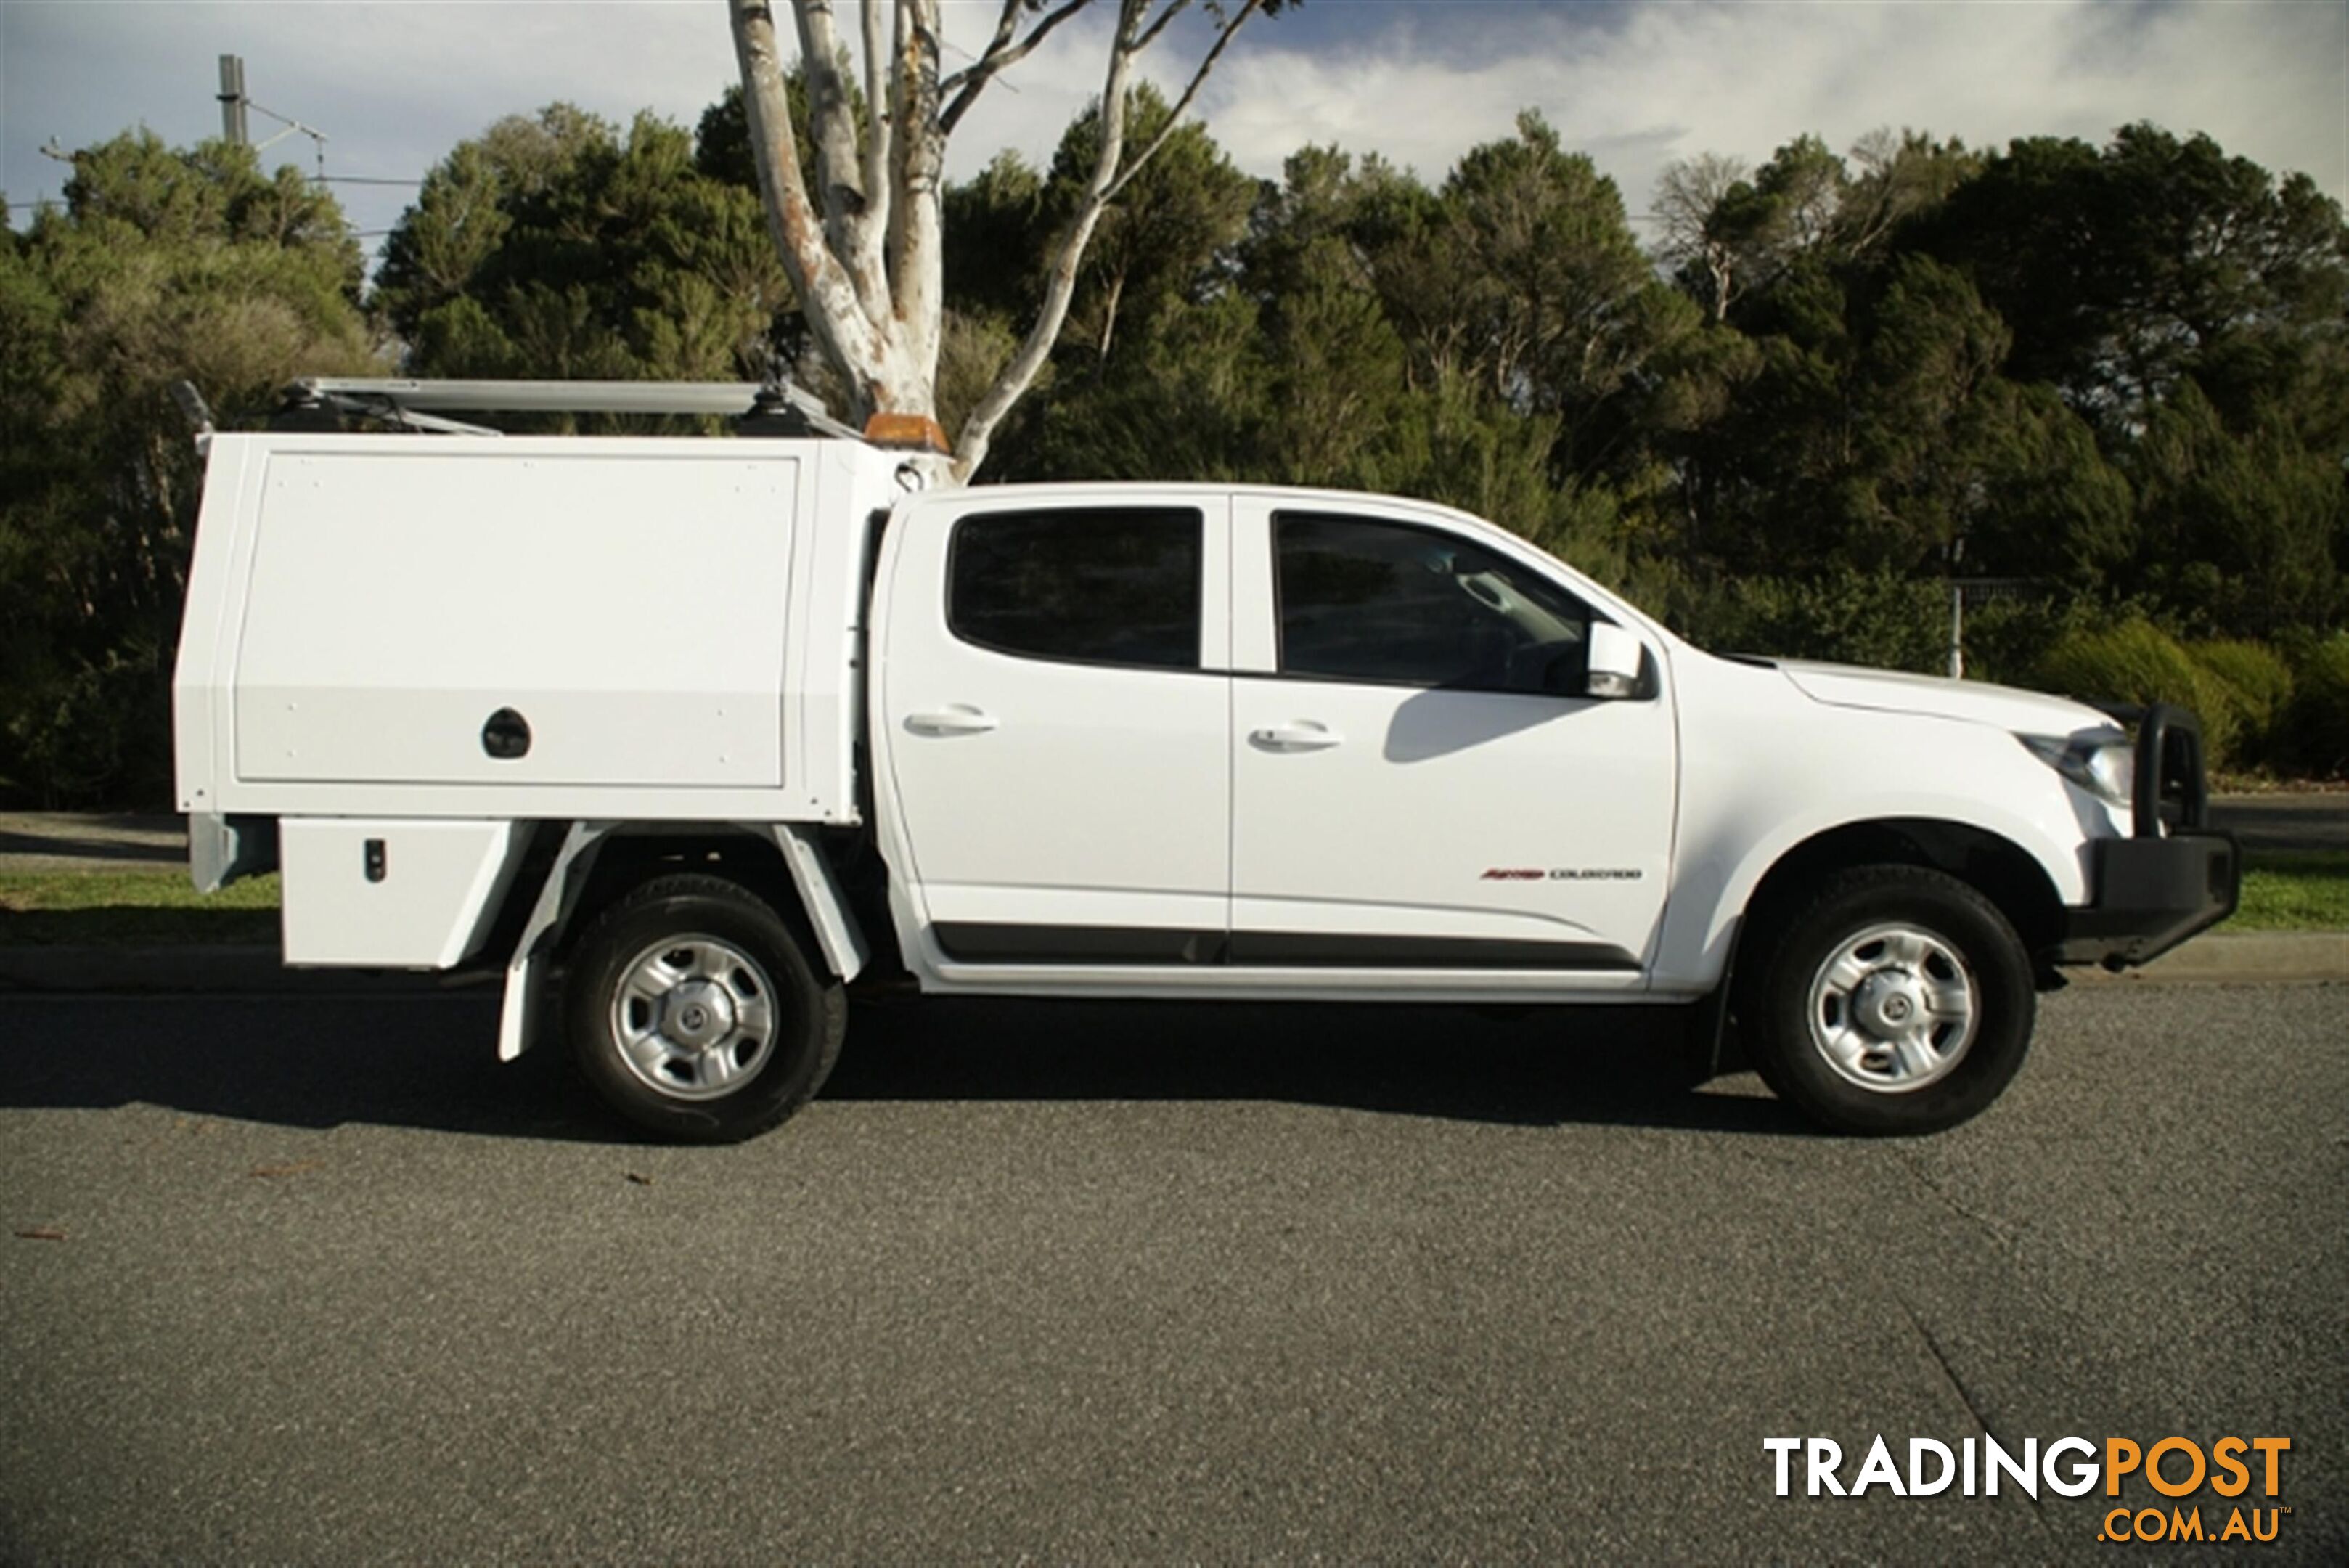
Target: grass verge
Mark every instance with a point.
(132, 908)
(2294, 890)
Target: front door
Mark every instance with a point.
(1056, 717)
(1418, 782)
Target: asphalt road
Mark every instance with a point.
(1138, 1282)
(2315, 820)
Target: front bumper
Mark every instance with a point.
(2151, 895)
(2177, 875)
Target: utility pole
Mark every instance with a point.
(232, 100)
(1978, 590)
(1957, 630)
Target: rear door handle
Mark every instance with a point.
(954, 719)
(1300, 735)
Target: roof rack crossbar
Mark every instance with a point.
(414, 401)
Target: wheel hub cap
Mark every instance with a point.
(695, 1017)
(1894, 1008)
(698, 1014)
(1888, 1003)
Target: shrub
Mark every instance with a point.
(1881, 618)
(2261, 684)
(2137, 661)
(2008, 636)
(2316, 725)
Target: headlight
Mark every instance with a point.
(2105, 766)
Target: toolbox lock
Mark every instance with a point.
(506, 735)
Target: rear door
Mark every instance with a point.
(1055, 721)
(1418, 782)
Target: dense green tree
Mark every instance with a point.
(1725, 233)
(2122, 269)
(721, 138)
(162, 264)
(1894, 178)
(1158, 244)
(2119, 371)
(1548, 275)
(994, 237)
(2241, 530)
(2118, 376)
(556, 246)
(1874, 433)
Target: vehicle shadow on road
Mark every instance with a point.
(422, 1060)
(430, 1062)
(1531, 1067)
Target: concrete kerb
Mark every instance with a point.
(2238, 958)
(2223, 958)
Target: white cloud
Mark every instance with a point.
(1028, 107)
(2269, 78)
(393, 83)
(396, 82)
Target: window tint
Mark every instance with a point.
(1374, 601)
(1095, 586)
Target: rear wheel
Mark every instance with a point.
(1894, 1000)
(694, 1011)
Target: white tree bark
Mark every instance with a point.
(845, 334)
(866, 250)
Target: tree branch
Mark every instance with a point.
(1175, 116)
(1006, 25)
(1150, 36)
(979, 429)
(912, 130)
(877, 128)
(917, 235)
(1001, 54)
(840, 182)
(830, 122)
(845, 334)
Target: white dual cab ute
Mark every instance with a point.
(685, 735)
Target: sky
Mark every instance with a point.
(394, 84)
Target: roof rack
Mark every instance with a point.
(757, 407)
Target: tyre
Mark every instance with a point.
(692, 1010)
(1893, 1000)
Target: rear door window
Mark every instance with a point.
(1110, 584)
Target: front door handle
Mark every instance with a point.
(954, 719)
(1300, 735)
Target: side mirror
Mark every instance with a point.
(1617, 662)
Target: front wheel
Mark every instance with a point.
(694, 1011)
(1896, 999)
